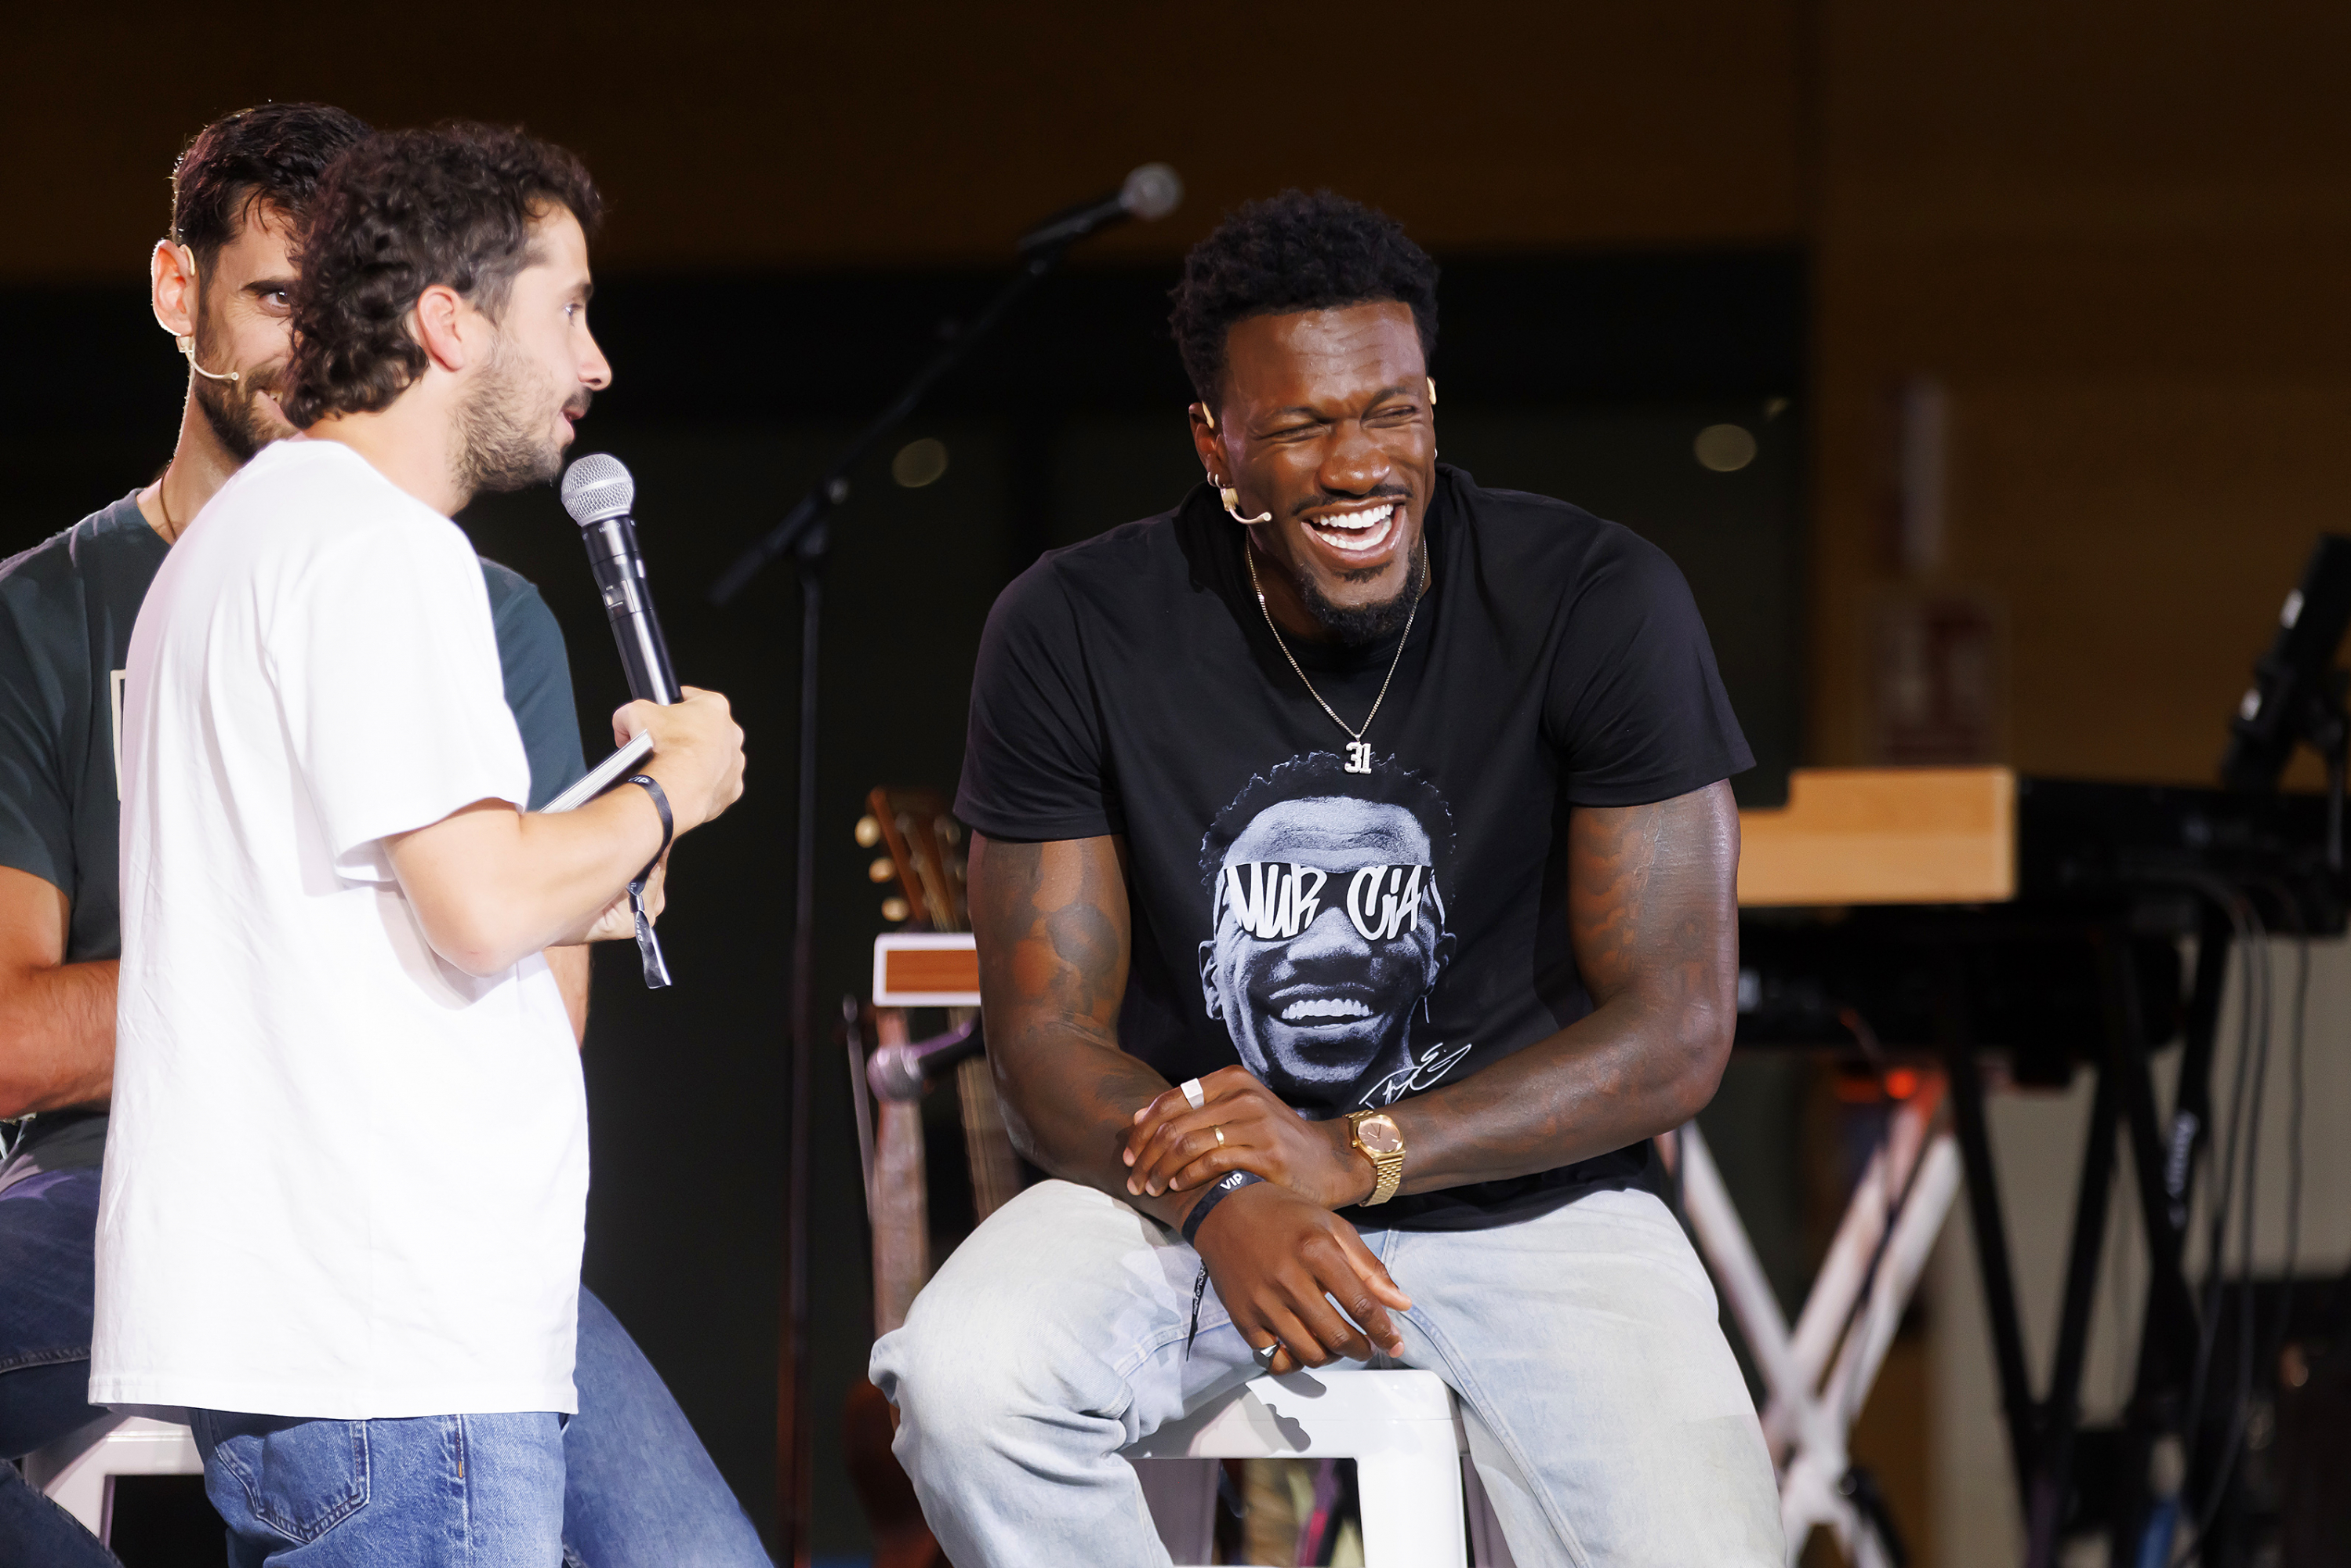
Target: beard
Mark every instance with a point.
(239, 421)
(504, 442)
(1356, 625)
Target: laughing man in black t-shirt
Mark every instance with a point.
(1353, 893)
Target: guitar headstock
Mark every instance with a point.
(922, 851)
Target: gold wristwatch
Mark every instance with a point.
(1378, 1139)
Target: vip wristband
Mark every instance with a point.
(648, 944)
(1222, 1189)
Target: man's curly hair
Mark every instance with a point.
(1294, 252)
(397, 215)
(272, 155)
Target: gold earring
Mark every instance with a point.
(1432, 390)
(1207, 414)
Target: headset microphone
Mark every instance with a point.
(188, 346)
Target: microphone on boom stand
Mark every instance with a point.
(1150, 192)
(598, 493)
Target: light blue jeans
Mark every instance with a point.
(424, 1491)
(1606, 1416)
(638, 1487)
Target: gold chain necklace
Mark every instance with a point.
(1358, 753)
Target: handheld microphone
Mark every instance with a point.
(1151, 192)
(598, 492)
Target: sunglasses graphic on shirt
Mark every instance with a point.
(1275, 900)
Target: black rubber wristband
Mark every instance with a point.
(1223, 1187)
(669, 824)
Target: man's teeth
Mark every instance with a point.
(1370, 517)
(1357, 533)
(1325, 1008)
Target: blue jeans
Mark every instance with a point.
(427, 1491)
(638, 1487)
(1606, 1417)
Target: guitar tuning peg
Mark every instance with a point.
(894, 909)
(883, 869)
(869, 831)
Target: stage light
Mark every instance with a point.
(919, 463)
(1725, 448)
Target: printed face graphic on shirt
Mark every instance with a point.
(1329, 933)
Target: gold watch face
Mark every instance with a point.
(1379, 1134)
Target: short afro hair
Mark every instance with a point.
(1324, 775)
(272, 155)
(397, 215)
(1290, 253)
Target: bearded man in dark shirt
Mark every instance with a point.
(1353, 881)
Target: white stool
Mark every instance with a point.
(77, 1472)
(1401, 1428)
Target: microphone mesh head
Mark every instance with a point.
(1151, 192)
(596, 488)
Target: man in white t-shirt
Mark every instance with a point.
(345, 1183)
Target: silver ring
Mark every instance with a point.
(1192, 1094)
(1263, 1354)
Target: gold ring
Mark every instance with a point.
(1221, 1135)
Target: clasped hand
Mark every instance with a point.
(1173, 1148)
(1289, 1271)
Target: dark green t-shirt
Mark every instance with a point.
(66, 607)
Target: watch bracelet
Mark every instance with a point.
(1387, 1170)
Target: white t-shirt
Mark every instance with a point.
(344, 1179)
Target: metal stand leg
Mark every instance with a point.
(1851, 1314)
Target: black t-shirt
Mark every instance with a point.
(1353, 924)
(66, 607)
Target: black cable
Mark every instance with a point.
(2245, 1117)
(2250, 936)
(2249, 1325)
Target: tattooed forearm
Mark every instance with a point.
(1653, 916)
(1052, 929)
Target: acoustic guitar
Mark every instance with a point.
(922, 857)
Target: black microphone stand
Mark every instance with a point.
(806, 533)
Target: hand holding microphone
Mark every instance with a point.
(697, 752)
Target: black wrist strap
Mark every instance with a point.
(648, 944)
(1223, 1187)
(652, 786)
